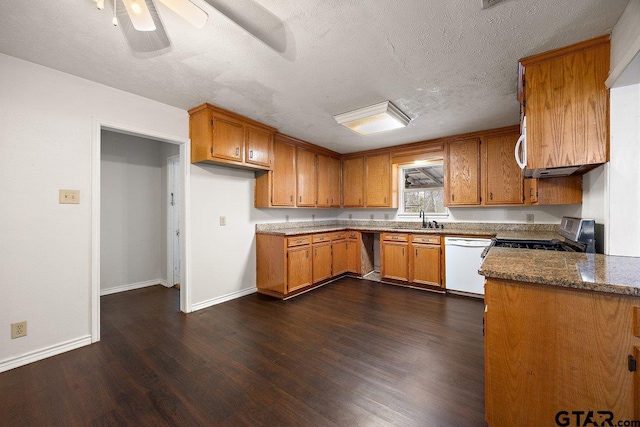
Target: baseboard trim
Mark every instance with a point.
(223, 298)
(53, 350)
(133, 286)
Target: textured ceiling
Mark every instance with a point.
(293, 64)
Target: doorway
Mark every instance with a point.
(177, 182)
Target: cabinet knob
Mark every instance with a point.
(237, 151)
(251, 154)
(300, 199)
(491, 196)
(453, 197)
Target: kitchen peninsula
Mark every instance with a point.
(562, 333)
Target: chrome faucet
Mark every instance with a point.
(422, 215)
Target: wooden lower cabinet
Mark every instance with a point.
(551, 352)
(394, 256)
(289, 265)
(354, 264)
(339, 257)
(321, 262)
(425, 265)
(298, 267)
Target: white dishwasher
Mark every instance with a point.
(462, 261)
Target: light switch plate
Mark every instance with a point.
(70, 197)
(223, 220)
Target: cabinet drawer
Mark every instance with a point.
(317, 238)
(297, 241)
(395, 237)
(340, 235)
(421, 238)
(353, 235)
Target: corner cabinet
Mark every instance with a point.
(222, 137)
(566, 104)
(286, 266)
(303, 176)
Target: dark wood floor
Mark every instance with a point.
(353, 353)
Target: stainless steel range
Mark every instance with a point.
(574, 235)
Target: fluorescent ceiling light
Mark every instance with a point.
(375, 118)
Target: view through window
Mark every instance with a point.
(422, 188)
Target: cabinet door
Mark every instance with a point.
(306, 177)
(395, 261)
(462, 164)
(328, 181)
(227, 140)
(503, 177)
(298, 267)
(321, 262)
(353, 256)
(258, 146)
(283, 189)
(426, 265)
(378, 181)
(353, 182)
(339, 257)
(568, 109)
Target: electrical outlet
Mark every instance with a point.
(313, 217)
(530, 218)
(19, 329)
(223, 220)
(286, 218)
(386, 217)
(69, 197)
(371, 217)
(350, 216)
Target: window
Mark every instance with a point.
(422, 188)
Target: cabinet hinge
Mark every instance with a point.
(632, 364)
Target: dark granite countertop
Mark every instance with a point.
(591, 272)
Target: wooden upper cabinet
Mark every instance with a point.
(283, 179)
(258, 146)
(328, 169)
(227, 141)
(378, 180)
(567, 105)
(305, 177)
(223, 137)
(503, 176)
(353, 182)
(563, 190)
(462, 172)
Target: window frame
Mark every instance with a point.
(401, 191)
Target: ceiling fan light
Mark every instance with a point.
(188, 11)
(373, 119)
(141, 20)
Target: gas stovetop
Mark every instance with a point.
(577, 234)
(547, 245)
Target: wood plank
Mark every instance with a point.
(350, 353)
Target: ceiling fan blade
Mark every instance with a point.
(139, 14)
(255, 19)
(188, 11)
(143, 44)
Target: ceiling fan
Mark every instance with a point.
(144, 32)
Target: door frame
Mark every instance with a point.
(171, 185)
(97, 126)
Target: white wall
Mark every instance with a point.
(133, 211)
(624, 172)
(45, 145)
(225, 264)
(625, 45)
